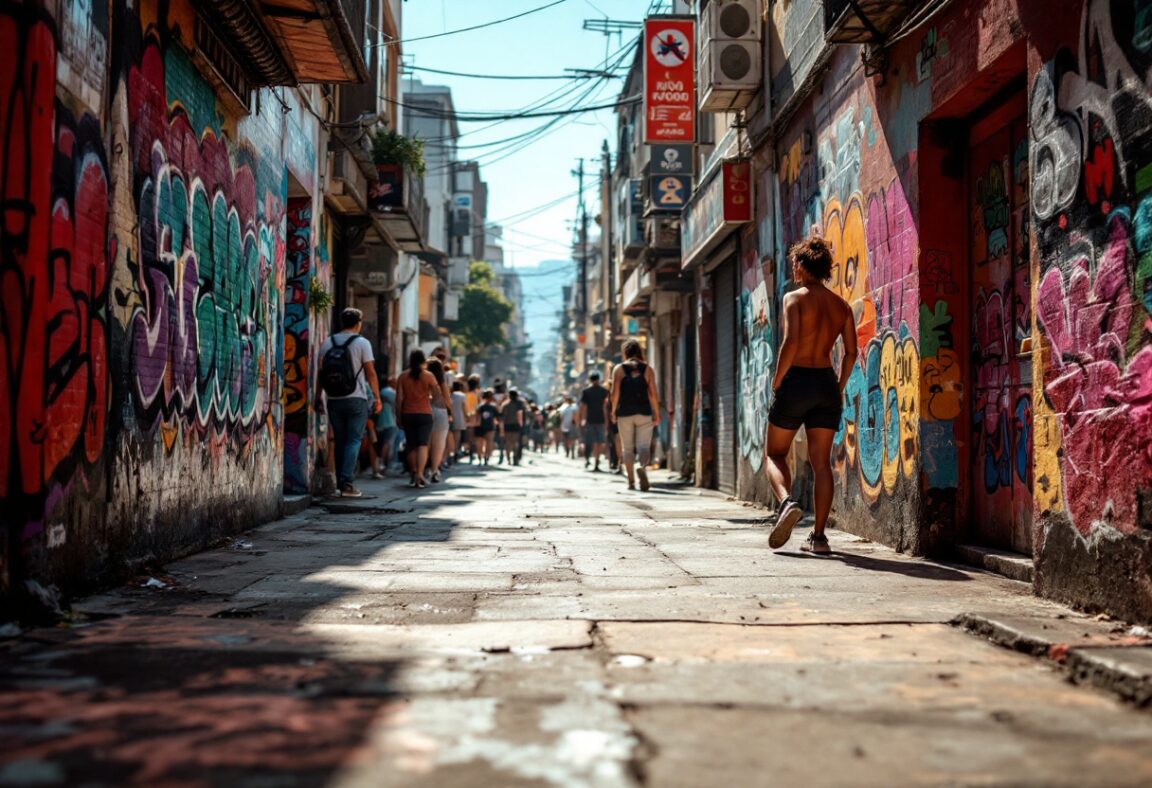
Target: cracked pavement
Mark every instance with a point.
(544, 626)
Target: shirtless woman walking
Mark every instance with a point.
(807, 391)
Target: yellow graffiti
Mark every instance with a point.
(792, 162)
(844, 231)
(1047, 487)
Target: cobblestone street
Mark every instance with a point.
(544, 626)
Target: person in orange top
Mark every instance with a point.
(414, 390)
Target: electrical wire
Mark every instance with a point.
(467, 75)
(460, 117)
(400, 42)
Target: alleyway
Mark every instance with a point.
(543, 626)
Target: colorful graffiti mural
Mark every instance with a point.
(1092, 205)
(205, 336)
(756, 365)
(298, 279)
(54, 268)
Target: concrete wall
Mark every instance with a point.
(143, 268)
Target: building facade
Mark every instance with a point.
(175, 210)
(979, 168)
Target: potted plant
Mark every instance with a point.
(392, 153)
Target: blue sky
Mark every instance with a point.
(546, 43)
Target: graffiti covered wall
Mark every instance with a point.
(143, 270)
(841, 177)
(1090, 135)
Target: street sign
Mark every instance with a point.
(669, 192)
(671, 160)
(669, 79)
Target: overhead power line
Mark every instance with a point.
(400, 42)
(577, 73)
(478, 118)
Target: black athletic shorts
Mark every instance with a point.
(809, 396)
(417, 429)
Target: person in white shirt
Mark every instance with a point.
(568, 413)
(346, 364)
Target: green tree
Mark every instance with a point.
(483, 312)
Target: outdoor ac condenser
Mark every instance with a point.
(730, 63)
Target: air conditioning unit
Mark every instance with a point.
(730, 65)
(663, 233)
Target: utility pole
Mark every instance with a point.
(583, 251)
(607, 229)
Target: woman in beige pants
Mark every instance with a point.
(636, 410)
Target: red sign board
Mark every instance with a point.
(738, 191)
(669, 79)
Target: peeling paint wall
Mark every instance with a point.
(143, 270)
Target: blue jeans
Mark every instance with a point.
(348, 418)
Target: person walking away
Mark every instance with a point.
(441, 421)
(414, 404)
(459, 419)
(347, 364)
(807, 390)
(513, 417)
(486, 418)
(593, 418)
(568, 425)
(471, 405)
(385, 426)
(499, 398)
(636, 411)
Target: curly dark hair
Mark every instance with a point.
(815, 256)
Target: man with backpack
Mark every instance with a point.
(346, 372)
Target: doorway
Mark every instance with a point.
(1000, 301)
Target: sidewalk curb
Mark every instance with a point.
(1088, 651)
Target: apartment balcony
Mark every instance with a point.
(865, 21)
(396, 199)
(637, 291)
(288, 42)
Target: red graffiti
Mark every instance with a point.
(1100, 173)
(1103, 400)
(54, 253)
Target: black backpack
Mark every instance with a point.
(338, 378)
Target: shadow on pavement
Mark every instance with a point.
(909, 568)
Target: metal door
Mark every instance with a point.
(1001, 304)
(724, 290)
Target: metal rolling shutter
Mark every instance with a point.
(725, 388)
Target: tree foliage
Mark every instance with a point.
(483, 312)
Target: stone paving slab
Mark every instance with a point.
(546, 627)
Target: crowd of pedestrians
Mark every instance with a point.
(428, 419)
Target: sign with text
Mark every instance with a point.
(669, 79)
(671, 160)
(721, 204)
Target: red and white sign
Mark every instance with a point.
(669, 79)
(737, 190)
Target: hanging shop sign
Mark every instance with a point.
(671, 160)
(721, 204)
(668, 192)
(669, 79)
